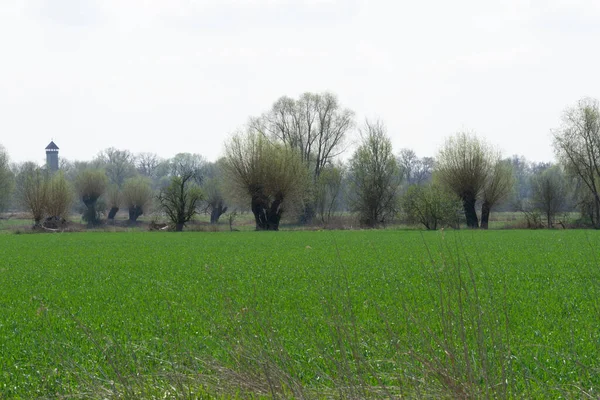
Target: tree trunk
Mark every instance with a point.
(216, 212)
(113, 211)
(470, 213)
(134, 213)
(90, 214)
(486, 208)
(178, 227)
(267, 216)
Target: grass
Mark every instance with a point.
(349, 314)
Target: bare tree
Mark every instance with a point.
(118, 164)
(549, 193)
(147, 164)
(184, 164)
(315, 125)
(415, 170)
(499, 184)
(6, 179)
(137, 195)
(113, 199)
(90, 185)
(180, 199)
(375, 176)
(269, 175)
(463, 167)
(577, 146)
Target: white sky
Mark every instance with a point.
(171, 76)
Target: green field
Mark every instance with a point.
(346, 314)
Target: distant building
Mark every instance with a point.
(52, 157)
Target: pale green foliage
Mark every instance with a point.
(473, 170)
(137, 195)
(137, 191)
(462, 164)
(90, 184)
(60, 196)
(33, 191)
(255, 163)
(43, 194)
(431, 205)
(269, 175)
(113, 196)
(375, 176)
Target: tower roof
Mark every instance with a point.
(52, 146)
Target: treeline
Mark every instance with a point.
(287, 162)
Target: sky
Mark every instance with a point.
(170, 76)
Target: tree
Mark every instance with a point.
(147, 164)
(215, 201)
(212, 188)
(315, 125)
(137, 195)
(119, 165)
(577, 147)
(431, 205)
(6, 179)
(113, 197)
(179, 200)
(184, 164)
(415, 170)
(33, 191)
(59, 198)
(463, 166)
(268, 174)
(549, 193)
(90, 185)
(375, 176)
(499, 184)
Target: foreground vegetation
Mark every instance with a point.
(350, 314)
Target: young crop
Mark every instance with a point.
(353, 314)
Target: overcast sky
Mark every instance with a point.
(171, 76)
